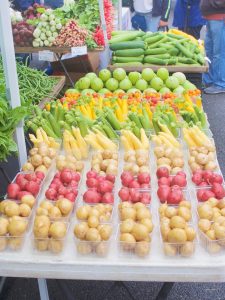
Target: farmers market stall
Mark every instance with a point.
(121, 183)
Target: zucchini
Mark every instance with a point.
(151, 40)
(175, 36)
(186, 60)
(161, 56)
(129, 64)
(173, 52)
(127, 45)
(185, 51)
(125, 37)
(154, 61)
(155, 51)
(130, 52)
(120, 59)
(163, 40)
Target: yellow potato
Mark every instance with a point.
(177, 222)
(80, 230)
(204, 225)
(140, 232)
(185, 213)
(177, 235)
(142, 249)
(57, 230)
(127, 226)
(187, 249)
(191, 234)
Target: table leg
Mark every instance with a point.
(65, 70)
(43, 289)
(2, 283)
(164, 291)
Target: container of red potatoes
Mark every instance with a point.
(93, 230)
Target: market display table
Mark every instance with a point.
(184, 69)
(58, 51)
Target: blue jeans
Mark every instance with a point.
(214, 46)
(152, 23)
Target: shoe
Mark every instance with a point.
(213, 90)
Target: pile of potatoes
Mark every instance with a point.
(212, 223)
(136, 161)
(12, 232)
(70, 162)
(136, 228)
(203, 158)
(105, 163)
(93, 237)
(55, 210)
(23, 208)
(49, 235)
(171, 158)
(177, 235)
(102, 212)
(40, 158)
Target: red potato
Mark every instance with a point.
(105, 187)
(145, 198)
(92, 182)
(162, 172)
(91, 174)
(108, 198)
(32, 187)
(179, 180)
(144, 178)
(126, 178)
(218, 190)
(66, 176)
(206, 195)
(51, 194)
(22, 193)
(124, 194)
(12, 190)
(134, 184)
(135, 195)
(92, 196)
(175, 196)
(164, 181)
(163, 192)
(111, 178)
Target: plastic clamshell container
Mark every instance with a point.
(186, 197)
(109, 209)
(186, 249)
(49, 244)
(18, 202)
(138, 195)
(61, 156)
(218, 172)
(93, 249)
(129, 249)
(100, 156)
(24, 173)
(204, 188)
(132, 157)
(11, 243)
(213, 247)
(64, 218)
(82, 197)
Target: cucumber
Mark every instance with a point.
(185, 60)
(125, 37)
(120, 59)
(127, 45)
(130, 52)
(171, 61)
(155, 51)
(153, 39)
(161, 56)
(173, 52)
(129, 64)
(154, 61)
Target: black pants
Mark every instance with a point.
(194, 31)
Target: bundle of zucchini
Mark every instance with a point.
(136, 48)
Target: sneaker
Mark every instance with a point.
(213, 90)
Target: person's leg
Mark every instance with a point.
(208, 77)
(194, 31)
(152, 23)
(218, 60)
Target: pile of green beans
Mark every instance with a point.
(34, 85)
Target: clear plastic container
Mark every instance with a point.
(213, 247)
(93, 249)
(50, 244)
(57, 217)
(106, 212)
(133, 195)
(11, 243)
(137, 161)
(100, 197)
(186, 197)
(140, 248)
(186, 249)
(100, 162)
(40, 186)
(25, 210)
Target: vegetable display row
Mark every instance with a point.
(136, 48)
(71, 25)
